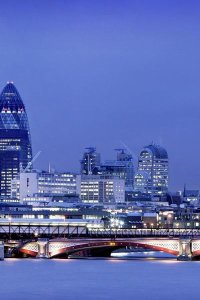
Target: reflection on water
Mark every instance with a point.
(142, 254)
(77, 279)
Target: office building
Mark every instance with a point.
(15, 141)
(101, 189)
(42, 185)
(152, 174)
(122, 167)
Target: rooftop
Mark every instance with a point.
(157, 151)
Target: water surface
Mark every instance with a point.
(73, 279)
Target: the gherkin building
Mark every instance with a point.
(15, 140)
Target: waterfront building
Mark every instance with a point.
(152, 174)
(186, 217)
(150, 220)
(102, 189)
(122, 167)
(90, 162)
(191, 196)
(15, 212)
(43, 185)
(15, 140)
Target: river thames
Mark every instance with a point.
(73, 279)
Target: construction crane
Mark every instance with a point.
(30, 163)
(130, 151)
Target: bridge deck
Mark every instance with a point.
(22, 229)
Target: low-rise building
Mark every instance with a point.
(43, 184)
(101, 189)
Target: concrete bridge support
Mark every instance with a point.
(43, 248)
(1, 250)
(185, 252)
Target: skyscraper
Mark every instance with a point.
(152, 174)
(15, 140)
(90, 162)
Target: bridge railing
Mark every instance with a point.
(143, 232)
(20, 231)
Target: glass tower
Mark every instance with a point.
(152, 175)
(15, 140)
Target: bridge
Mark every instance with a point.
(53, 238)
(182, 248)
(29, 229)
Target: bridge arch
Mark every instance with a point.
(55, 249)
(30, 249)
(182, 248)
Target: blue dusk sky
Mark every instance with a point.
(103, 73)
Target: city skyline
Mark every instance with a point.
(99, 164)
(103, 91)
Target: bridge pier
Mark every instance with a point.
(185, 252)
(43, 248)
(1, 250)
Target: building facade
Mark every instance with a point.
(152, 175)
(43, 184)
(15, 140)
(122, 167)
(101, 189)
